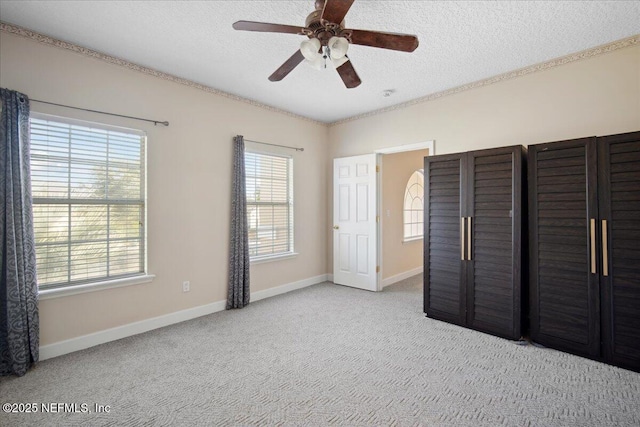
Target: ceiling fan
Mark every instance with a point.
(329, 40)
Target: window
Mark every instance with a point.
(414, 206)
(88, 187)
(269, 204)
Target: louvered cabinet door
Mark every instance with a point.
(564, 290)
(444, 291)
(619, 255)
(494, 262)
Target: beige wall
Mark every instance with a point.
(398, 256)
(189, 181)
(595, 96)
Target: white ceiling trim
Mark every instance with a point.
(543, 66)
(50, 41)
(426, 145)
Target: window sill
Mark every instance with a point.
(271, 258)
(96, 286)
(412, 239)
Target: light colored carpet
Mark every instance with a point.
(327, 355)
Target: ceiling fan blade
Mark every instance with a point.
(286, 68)
(348, 75)
(393, 41)
(265, 27)
(335, 10)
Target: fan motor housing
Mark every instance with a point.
(323, 31)
(313, 20)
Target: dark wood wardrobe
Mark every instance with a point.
(473, 239)
(584, 222)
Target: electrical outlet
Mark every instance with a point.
(186, 286)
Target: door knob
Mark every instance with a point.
(335, 227)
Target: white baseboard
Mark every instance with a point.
(80, 343)
(271, 292)
(404, 275)
(330, 277)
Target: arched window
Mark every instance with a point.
(414, 206)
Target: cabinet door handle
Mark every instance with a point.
(469, 239)
(593, 246)
(462, 238)
(605, 249)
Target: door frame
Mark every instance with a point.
(429, 144)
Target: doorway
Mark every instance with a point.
(400, 240)
(391, 255)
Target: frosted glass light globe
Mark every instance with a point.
(338, 47)
(309, 49)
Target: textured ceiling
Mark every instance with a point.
(460, 42)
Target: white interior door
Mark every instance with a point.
(355, 227)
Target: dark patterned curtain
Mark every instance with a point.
(238, 295)
(18, 288)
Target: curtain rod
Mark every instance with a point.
(155, 122)
(275, 145)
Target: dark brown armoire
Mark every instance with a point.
(584, 223)
(473, 239)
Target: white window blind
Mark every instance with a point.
(88, 187)
(269, 204)
(414, 206)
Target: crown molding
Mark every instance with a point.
(50, 41)
(543, 66)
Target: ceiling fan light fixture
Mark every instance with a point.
(338, 47)
(324, 28)
(310, 48)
